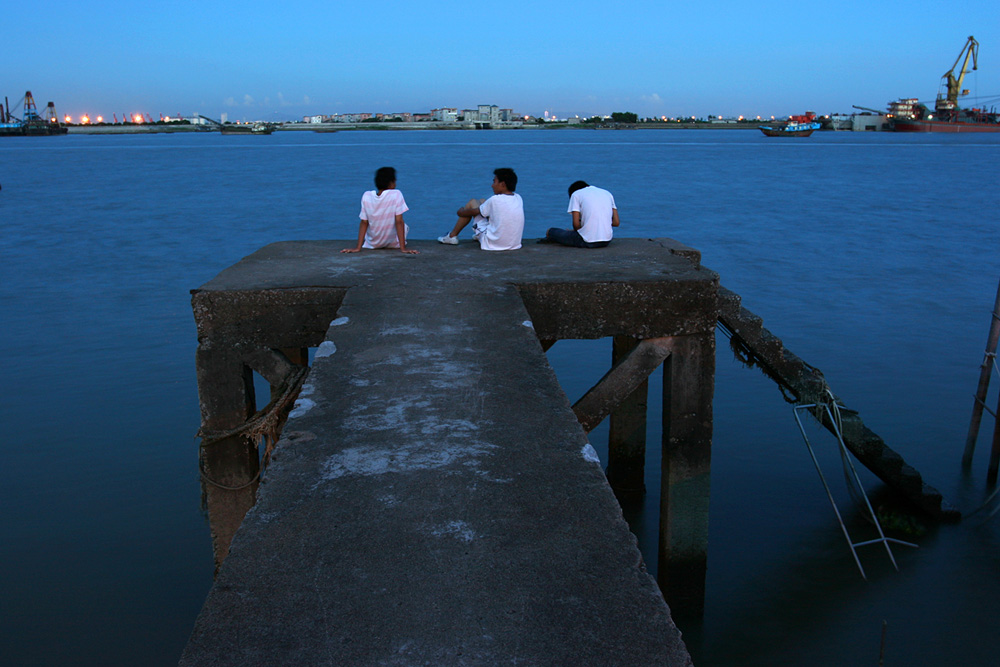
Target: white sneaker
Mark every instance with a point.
(448, 240)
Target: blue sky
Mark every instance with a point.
(257, 60)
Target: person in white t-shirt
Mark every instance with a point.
(498, 222)
(594, 216)
(381, 215)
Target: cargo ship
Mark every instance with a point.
(246, 128)
(909, 115)
(31, 124)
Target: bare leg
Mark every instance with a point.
(463, 221)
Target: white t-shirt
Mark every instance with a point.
(380, 210)
(595, 206)
(501, 222)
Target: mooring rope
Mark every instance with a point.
(204, 476)
(262, 426)
(845, 463)
(749, 358)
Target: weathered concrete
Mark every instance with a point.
(627, 432)
(433, 498)
(805, 384)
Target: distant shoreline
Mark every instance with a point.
(431, 126)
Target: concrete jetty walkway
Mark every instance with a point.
(433, 499)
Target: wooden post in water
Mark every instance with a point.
(984, 384)
(627, 434)
(991, 473)
(688, 386)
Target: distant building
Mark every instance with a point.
(349, 117)
(195, 119)
(484, 114)
(445, 114)
(489, 113)
(864, 122)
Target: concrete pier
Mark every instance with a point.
(433, 498)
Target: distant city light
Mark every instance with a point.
(85, 119)
(137, 118)
(67, 119)
(100, 119)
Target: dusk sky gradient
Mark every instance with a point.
(257, 60)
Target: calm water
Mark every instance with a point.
(874, 256)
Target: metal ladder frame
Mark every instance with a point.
(855, 479)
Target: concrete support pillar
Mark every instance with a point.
(230, 465)
(688, 386)
(627, 435)
(297, 355)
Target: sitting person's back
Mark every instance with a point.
(381, 215)
(594, 217)
(498, 222)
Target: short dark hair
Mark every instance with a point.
(384, 177)
(577, 185)
(506, 176)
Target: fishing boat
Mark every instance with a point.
(796, 126)
(909, 115)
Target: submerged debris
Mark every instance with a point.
(899, 521)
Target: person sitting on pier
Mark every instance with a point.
(594, 216)
(382, 211)
(497, 222)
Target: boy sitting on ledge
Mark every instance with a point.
(594, 215)
(498, 222)
(382, 211)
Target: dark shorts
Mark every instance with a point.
(571, 237)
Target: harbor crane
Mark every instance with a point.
(949, 102)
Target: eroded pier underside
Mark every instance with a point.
(433, 498)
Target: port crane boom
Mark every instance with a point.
(953, 83)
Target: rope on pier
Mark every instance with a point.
(204, 476)
(264, 425)
(749, 358)
(826, 405)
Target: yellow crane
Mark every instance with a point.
(949, 103)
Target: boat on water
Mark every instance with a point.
(962, 120)
(909, 115)
(31, 123)
(796, 126)
(246, 128)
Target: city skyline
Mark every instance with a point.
(585, 58)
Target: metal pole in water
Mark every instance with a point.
(984, 384)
